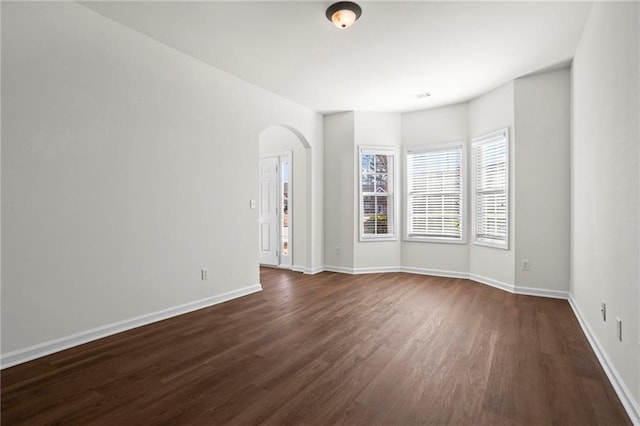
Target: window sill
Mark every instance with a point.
(381, 238)
(434, 240)
(499, 246)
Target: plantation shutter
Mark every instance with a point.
(491, 188)
(434, 198)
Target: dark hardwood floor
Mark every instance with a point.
(331, 349)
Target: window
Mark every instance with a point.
(376, 193)
(434, 206)
(491, 189)
(284, 206)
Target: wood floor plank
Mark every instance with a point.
(331, 349)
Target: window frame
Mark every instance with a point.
(463, 193)
(391, 235)
(489, 138)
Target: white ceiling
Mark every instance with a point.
(396, 50)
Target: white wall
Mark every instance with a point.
(538, 141)
(344, 134)
(1, 219)
(605, 183)
(315, 163)
(487, 113)
(421, 128)
(126, 167)
(346, 131)
(376, 129)
(542, 208)
(277, 140)
(339, 189)
(536, 109)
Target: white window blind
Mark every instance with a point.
(376, 193)
(491, 189)
(435, 193)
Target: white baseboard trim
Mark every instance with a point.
(527, 291)
(37, 351)
(313, 271)
(305, 270)
(339, 269)
(367, 270)
(542, 292)
(493, 283)
(388, 269)
(626, 397)
(377, 270)
(435, 272)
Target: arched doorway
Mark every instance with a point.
(284, 198)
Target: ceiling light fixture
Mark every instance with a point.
(343, 14)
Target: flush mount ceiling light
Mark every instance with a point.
(343, 14)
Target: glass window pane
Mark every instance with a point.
(381, 163)
(367, 164)
(369, 215)
(285, 209)
(367, 183)
(369, 205)
(382, 216)
(382, 183)
(381, 205)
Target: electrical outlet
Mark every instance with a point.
(252, 204)
(338, 251)
(526, 265)
(619, 328)
(603, 310)
(204, 273)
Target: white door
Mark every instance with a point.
(269, 241)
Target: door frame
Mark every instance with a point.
(283, 155)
